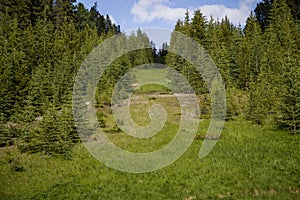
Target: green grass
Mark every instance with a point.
(139, 107)
(153, 88)
(247, 163)
(145, 76)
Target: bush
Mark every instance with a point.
(9, 133)
(54, 135)
(101, 119)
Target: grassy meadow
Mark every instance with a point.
(248, 162)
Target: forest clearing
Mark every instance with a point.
(213, 113)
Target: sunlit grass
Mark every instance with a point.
(248, 162)
(139, 112)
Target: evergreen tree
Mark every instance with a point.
(14, 70)
(81, 16)
(274, 94)
(249, 56)
(62, 10)
(262, 13)
(287, 36)
(198, 26)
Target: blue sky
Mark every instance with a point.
(133, 14)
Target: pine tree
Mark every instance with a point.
(287, 36)
(262, 13)
(274, 94)
(250, 54)
(81, 16)
(198, 26)
(42, 74)
(14, 71)
(62, 10)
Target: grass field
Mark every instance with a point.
(157, 75)
(248, 162)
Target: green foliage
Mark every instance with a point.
(43, 44)
(250, 54)
(12, 158)
(290, 105)
(262, 101)
(198, 26)
(236, 103)
(274, 94)
(54, 134)
(263, 10)
(11, 132)
(259, 67)
(58, 12)
(101, 118)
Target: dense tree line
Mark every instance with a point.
(262, 11)
(259, 63)
(28, 12)
(43, 44)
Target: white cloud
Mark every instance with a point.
(150, 10)
(236, 15)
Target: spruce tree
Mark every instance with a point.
(287, 36)
(273, 95)
(250, 53)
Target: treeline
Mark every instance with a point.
(43, 44)
(259, 63)
(28, 13)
